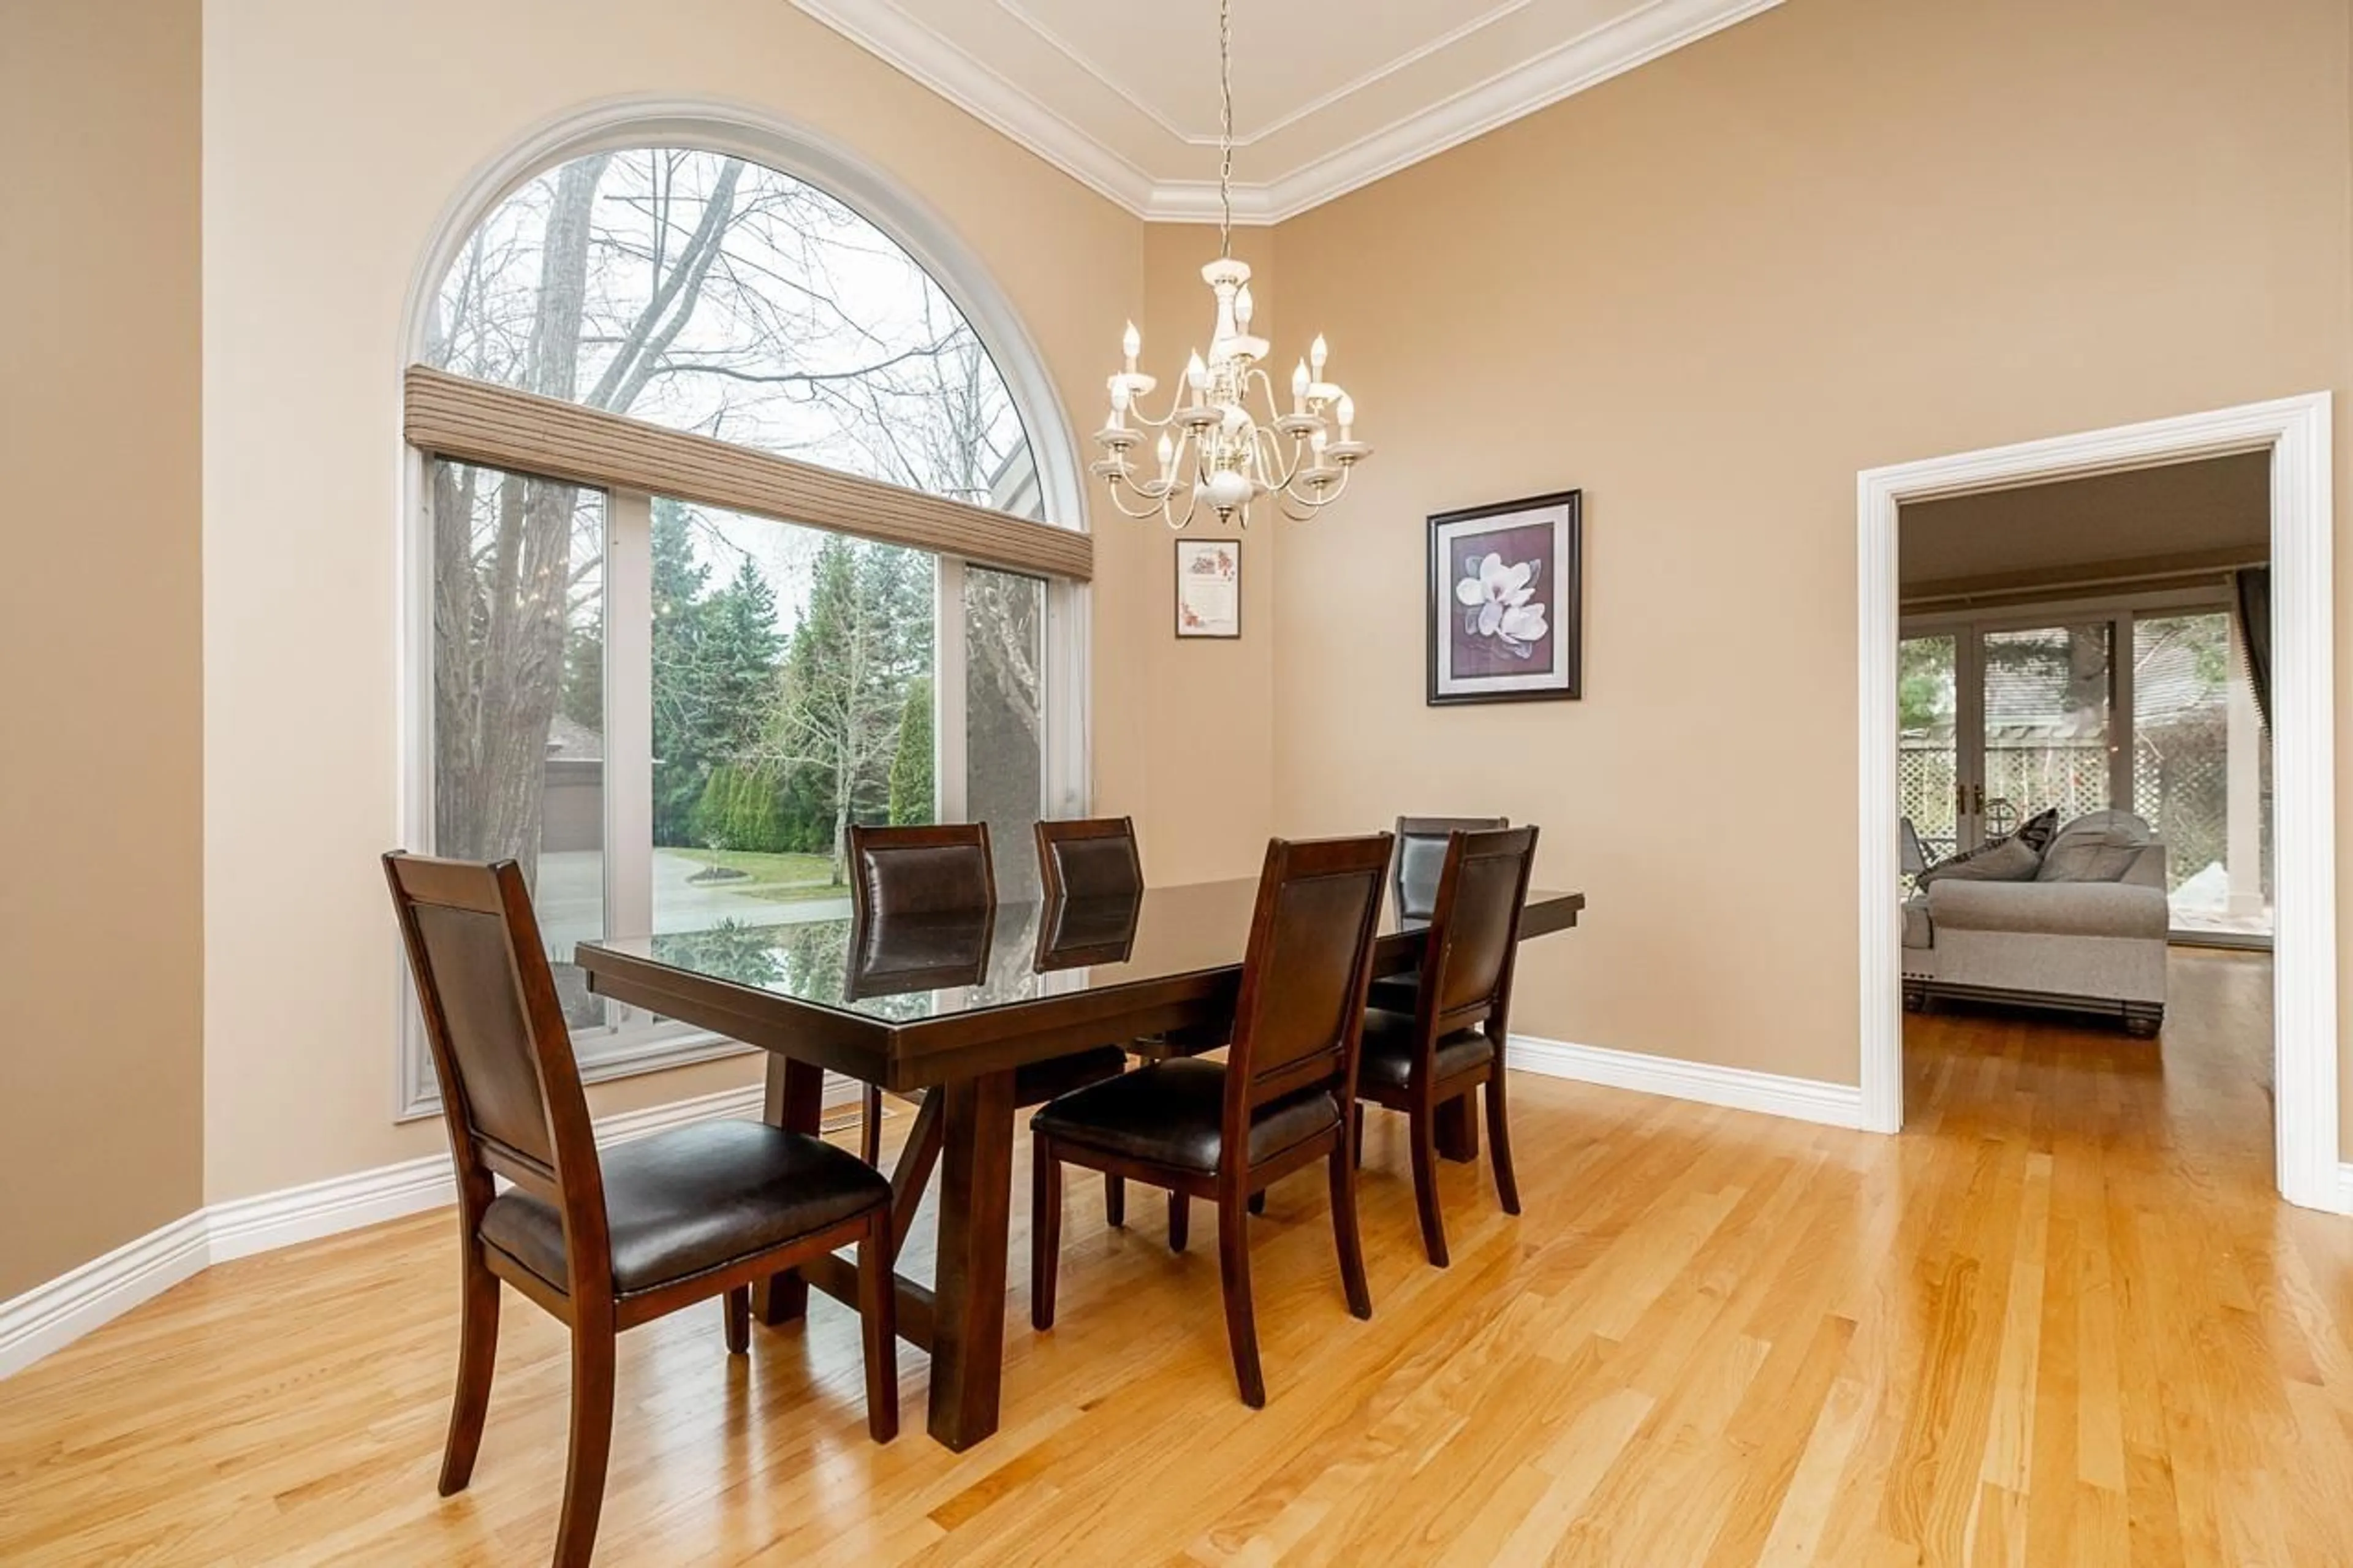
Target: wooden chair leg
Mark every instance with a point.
(878, 1318)
(869, 1137)
(592, 1440)
(1234, 1275)
(1045, 1232)
(1358, 1141)
(738, 1303)
(478, 1355)
(1180, 1215)
(1115, 1200)
(1422, 1133)
(1499, 1142)
(1346, 1234)
(1258, 1201)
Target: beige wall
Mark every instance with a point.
(1844, 234)
(333, 138)
(100, 897)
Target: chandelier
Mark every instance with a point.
(1213, 447)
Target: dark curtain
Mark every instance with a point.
(2252, 603)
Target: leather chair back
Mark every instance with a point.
(1300, 1016)
(1421, 852)
(501, 1051)
(1474, 927)
(899, 872)
(1094, 859)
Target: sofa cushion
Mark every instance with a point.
(2097, 847)
(2051, 908)
(2009, 859)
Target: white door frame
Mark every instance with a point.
(2296, 432)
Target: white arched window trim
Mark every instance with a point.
(761, 137)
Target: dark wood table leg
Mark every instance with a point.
(975, 1193)
(1457, 1130)
(795, 1101)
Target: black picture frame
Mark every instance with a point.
(1563, 512)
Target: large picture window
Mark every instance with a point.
(669, 711)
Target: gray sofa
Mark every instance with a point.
(2085, 934)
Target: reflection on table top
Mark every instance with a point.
(936, 966)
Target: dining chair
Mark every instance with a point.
(1413, 880)
(1093, 857)
(913, 871)
(1282, 1100)
(602, 1241)
(1452, 1041)
(906, 880)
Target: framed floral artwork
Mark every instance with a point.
(1506, 602)
(1209, 588)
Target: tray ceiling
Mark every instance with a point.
(1328, 94)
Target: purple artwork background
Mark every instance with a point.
(1474, 655)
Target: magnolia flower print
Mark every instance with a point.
(1498, 602)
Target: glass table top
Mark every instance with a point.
(901, 970)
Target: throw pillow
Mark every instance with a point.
(2100, 848)
(2039, 830)
(2011, 860)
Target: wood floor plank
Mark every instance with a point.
(2062, 1319)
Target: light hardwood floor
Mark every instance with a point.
(2061, 1320)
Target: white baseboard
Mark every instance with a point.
(2345, 1188)
(49, 1316)
(1740, 1089)
(52, 1316)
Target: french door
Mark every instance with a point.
(2006, 718)
(2138, 701)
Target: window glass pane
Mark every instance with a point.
(519, 695)
(1005, 622)
(2047, 698)
(792, 695)
(706, 293)
(1927, 754)
(2183, 768)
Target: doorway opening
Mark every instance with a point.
(2000, 704)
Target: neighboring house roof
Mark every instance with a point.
(572, 743)
(2028, 700)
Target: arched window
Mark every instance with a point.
(667, 674)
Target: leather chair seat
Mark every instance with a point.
(1035, 1083)
(1388, 1059)
(1170, 1113)
(693, 1199)
(1396, 993)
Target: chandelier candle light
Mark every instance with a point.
(1212, 447)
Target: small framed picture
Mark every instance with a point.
(1506, 602)
(1209, 588)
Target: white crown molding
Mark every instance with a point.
(1736, 1088)
(890, 34)
(1593, 57)
(51, 1316)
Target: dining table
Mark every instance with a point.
(949, 1011)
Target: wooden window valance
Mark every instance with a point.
(473, 421)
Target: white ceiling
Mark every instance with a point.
(1328, 94)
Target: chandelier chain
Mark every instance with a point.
(1226, 129)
